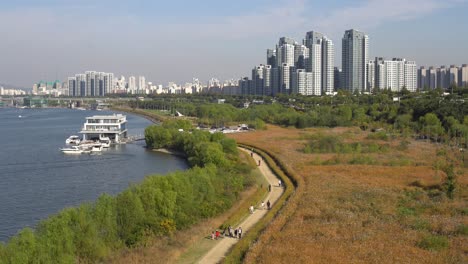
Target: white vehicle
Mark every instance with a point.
(72, 150)
(74, 140)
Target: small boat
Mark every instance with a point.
(72, 150)
(74, 140)
(96, 148)
(105, 142)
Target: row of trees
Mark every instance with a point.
(158, 206)
(441, 118)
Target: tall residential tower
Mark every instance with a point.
(355, 53)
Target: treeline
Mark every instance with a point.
(429, 115)
(158, 206)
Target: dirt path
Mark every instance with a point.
(220, 249)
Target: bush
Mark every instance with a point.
(434, 243)
(381, 135)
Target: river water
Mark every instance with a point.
(37, 180)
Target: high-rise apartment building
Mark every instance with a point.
(452, 75)
(328, 63)
(141, 84)
(370, 75)
(257, 81)
(395, 74)
(267, 80)
(463, 79)
(132, 84)
(285, 51)
(337, 75)
(355, 52)
(72, 87)
(442, 80)
(423, 78)
(410, 76)
(301, 56)
(301, 82)
(285, 78)
(432, 78)
(271, 58)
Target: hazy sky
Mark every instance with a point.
(177, 40)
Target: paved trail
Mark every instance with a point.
(219, 251)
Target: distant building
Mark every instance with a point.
(355, 53)
(463, 80)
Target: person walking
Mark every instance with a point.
(212, 235)
(251, 209)
(268, 204)
(269, 187)
(263, 205)
(279, 183)
(240, 232)
(259, 162)
(235, 232)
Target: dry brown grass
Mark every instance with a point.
(359, 213)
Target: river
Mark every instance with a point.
(37, 180)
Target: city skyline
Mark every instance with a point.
(56, 39)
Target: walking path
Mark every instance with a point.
(219, 251)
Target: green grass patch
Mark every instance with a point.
(434, 243)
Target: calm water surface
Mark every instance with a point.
(37, 180)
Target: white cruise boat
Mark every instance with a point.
(72, 150)
(73, 140)
(111, 128)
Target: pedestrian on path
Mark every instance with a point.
(251, 154)
(263, 205)
(269, 187)
(268, 204)
(217, 234)
(259, 162)
(251, 209)
(279, 183)
(235, 232)
(212, 235)
(240, 232)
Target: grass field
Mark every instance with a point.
(380, 202)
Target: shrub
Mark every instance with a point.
(381, 135)
(434, 243)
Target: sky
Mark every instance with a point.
(179, 40)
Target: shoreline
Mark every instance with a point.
(170, 152)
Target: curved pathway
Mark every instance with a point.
(219, 251)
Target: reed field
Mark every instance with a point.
(365, 197)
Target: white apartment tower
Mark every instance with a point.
(325, 58)
(371, 75)
(463, 80)
(132, 84)
(141, 84)
(410, 76)
(301, 82)
(285, 51)
(328, 64)
(285, 78)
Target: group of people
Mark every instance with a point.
(262, 206)
(235, 233)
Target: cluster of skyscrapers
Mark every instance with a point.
(91, 83)
(308, 68)
(292, 67)
(442, 77)
(305, 67)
